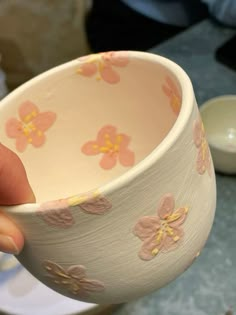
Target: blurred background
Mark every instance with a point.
(37, 35)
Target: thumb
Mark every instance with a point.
(14, 185)
(14, 189)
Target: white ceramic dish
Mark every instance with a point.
(22, 294)
(219, 119)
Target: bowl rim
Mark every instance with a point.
(207, 104)
(212, 100)
(188, 101)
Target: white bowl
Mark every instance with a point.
(117, 157)
(219, 119)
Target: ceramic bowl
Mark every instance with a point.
(115, 151)
(218, 115)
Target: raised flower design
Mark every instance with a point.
(31, 126)
(204, 157)
(96, 205)
(112, 146)
(102, 65)
(93, 202)
(172, 92)
(74, 279)
(163, 232)
(56, 213)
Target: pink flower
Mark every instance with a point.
(112, 146)
(31, 127)
(171, 91)
(102, 64)
(204, 156)
(96, 205)
(56, 213)
(73, 279)
(163, 232)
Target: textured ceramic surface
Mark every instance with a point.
(218, 115)
(116, 140)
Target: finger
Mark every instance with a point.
(11, 239)
(14, 185)
(14, 189)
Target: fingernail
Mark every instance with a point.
(7, 245)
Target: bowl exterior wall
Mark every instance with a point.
(137, 238)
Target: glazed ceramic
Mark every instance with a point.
(116, 153)
(218, 115)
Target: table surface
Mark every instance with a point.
(209, 286)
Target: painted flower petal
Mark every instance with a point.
(13, 128)
(44, 120)
(116, 58)
(92, 285)
(201, 162)
(58, 218)
(173, 87)
(78, 291)
(178, 217)
(87, 69)
(127, 158)
(174, 241)
(108, 161)
(37, 138)
(109, 75)
(90, 148)
(151, 248)
(198, 133)
(56, 213)
(166, 90)
(124, 141)
(96, 205)
(77, 272)
(146, 227)
(28, 111)
(166, 206)
(209, 163)
(21, 143)
(175, 104)
(107, 133)
(53, 268)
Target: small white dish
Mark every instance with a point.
(7, 262)
(219, 119)
(22, 294)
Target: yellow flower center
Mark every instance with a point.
(29, 117)
(204, 145)
(165, 229)
(74, 287)
(175, 102)
(204, 148)
(28, 127)
(65, 279)
(109, 147)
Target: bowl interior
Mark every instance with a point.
(218, 117)
(82, 124)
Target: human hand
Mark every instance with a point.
(14, 189)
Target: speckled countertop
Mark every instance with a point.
(209, 286)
